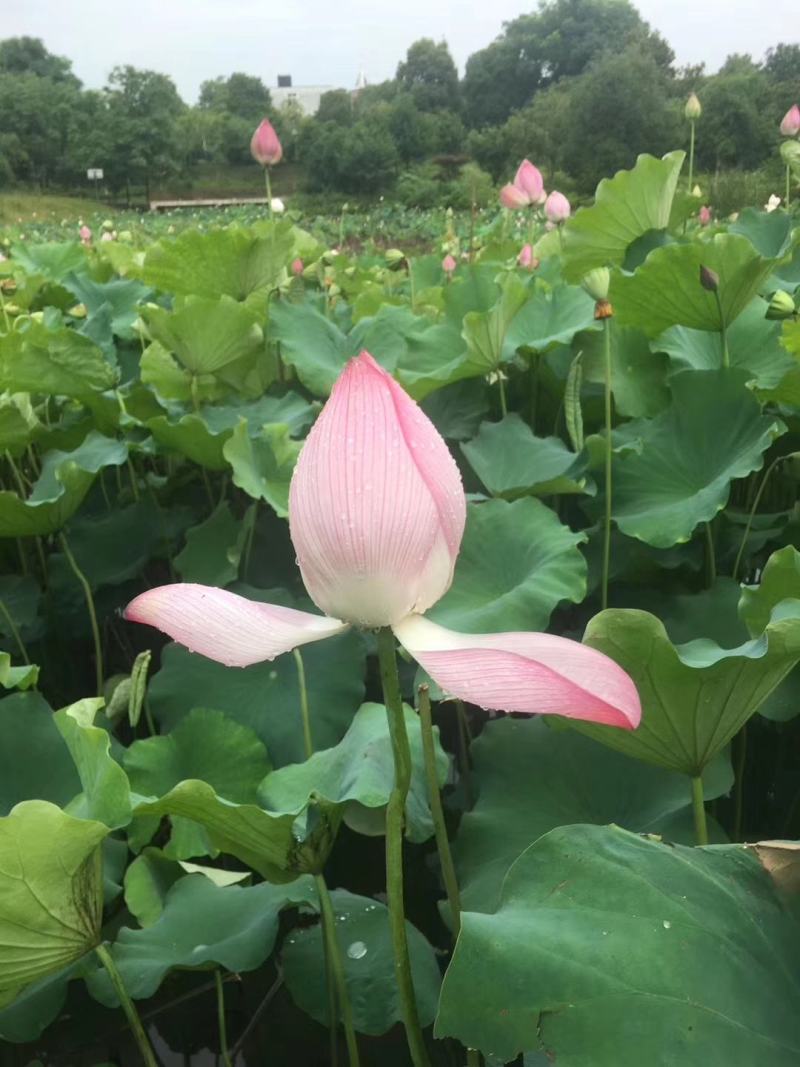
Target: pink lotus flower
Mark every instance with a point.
(85, 234)
(526, 189)
(265, 147)
(556, 208)
(525, 257)
(376, 514)
(790, 124)
(449, 265)
(297, 267)
(704, 215)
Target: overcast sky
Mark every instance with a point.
(326, 42)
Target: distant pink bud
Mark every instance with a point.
(790, 125)
(525, 257)
(265, 147)
(85, 234)
(297, 267)
(704, 215)
(513, 198)
(557, 208)
(449, 264)
(529, 180)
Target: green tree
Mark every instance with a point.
(242, 95)
(28, 55)
(336, 106)
(739, 123)
(429, 74)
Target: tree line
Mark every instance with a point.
(582, 86)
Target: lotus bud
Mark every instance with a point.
(781, 306)
(596, 283)
(525, 257)
(108, 224)
(790, 123)
(265, 147)
(709, 279)
(449, 265)
(85, 234)
(513, 198)
(277, 206)
(297, 267)
(529, 179)
(693, 109)
(394, 258)
(698, 192)
(556, 208)
(773, 203)
(704, 215)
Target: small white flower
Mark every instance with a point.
(773, 202)
(277, 205)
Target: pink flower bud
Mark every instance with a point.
(525, 257)
(85, 234)
(557, 208)
(790, 124)
(449, 264)
(704, 215)
(265, 147)
(297, 267)
(530, 181)
(513, 198)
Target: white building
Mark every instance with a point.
(307, 96)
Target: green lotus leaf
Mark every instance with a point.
(486, 333)
(709, 953)
(34, 761)
(549, 318)
(638, 375)
(105, 795)
(213, 549)
(205, 334)
(58, 361)
(263, 465)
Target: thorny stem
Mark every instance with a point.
(135, 1023)
(711, 557)
(741, 759)
(337, 968)
(14, 632)
(699, 810)
(434, 798)
(502, 385)
(608, 454)
(271, 993)
(464, 739)
(788, 186)
(395, 813)
(691, 156)
(753, 510)
(87, 592)
(723, 331)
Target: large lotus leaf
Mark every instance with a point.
(615, 950)
(357, 775)
(21, 598)
(106, 795)
(205, 334)
(550, 318)
(213, 549)
(18, 422)
(475, 288)
(770, 232)
(202, 924)
(517, 563)
(780, 580)
(638, 376)
(697, 696)
(365, 942)
(666, 291)
(264, 842)
(54, 260)
(291, 409)
(121, 297)
(457, 410)
(436, 356)
(207, 745)
(171, 382)
(191, 436)
(33, 1009)
(753, 343)
(22, 677)
(65, 480)
(712, 433)
(263, 465)
(266, 696)
(626, 207)
(51, 892)
(151, 876)
(318, 349)
(227, 262)
(57, 361)
(486, 332)
(34, 761)
(531, 779)
(512, 462)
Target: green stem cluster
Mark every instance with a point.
(699, 810)
(608, 455)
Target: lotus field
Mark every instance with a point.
(400, 635)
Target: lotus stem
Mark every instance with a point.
(753, 510)
(691, 155)
(741, 760)
(14, 632)
(502, 385)
(87, 593)
(334, 950)
(135, 1023)
(434, 798)
(304, 714)
(608, 454)
(395, 813)
(223, 1030)
(699, 810)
